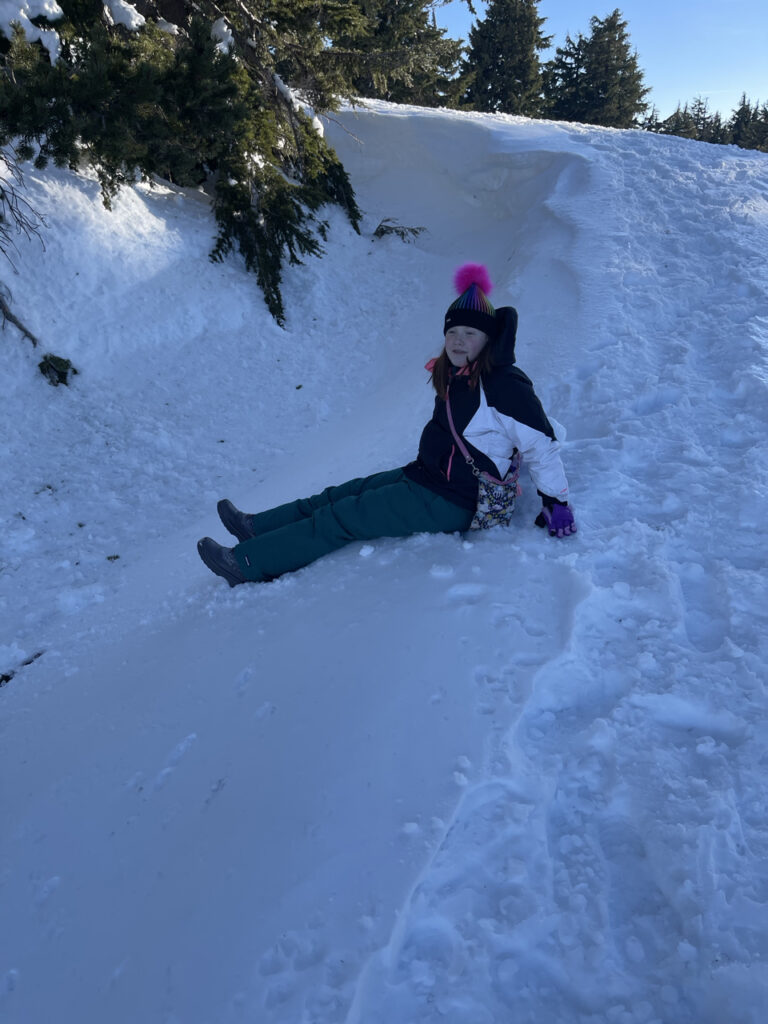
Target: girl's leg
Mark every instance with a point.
(304, 508)
(397, 508)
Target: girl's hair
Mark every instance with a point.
(441, 371)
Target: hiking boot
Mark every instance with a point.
(221, 561)
(237, 522)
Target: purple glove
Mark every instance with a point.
(558, 519)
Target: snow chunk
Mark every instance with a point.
(221, 31)
(679, 713)
(13, 11)
(74, 600)
(441, 572)
(11, 656)
(121, 13)
(291, 97)
(117, 12)
(22, 14)
(686, 951)
(167, 26)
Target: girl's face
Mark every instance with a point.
(464, 344)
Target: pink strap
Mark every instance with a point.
(462, 447)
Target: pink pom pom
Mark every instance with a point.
(472, 273)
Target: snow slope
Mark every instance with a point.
(471, 780)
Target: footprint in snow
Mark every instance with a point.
(644, 923)
(657, 400)
(703, 600)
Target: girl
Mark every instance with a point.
(486, 417)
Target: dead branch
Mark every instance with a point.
(5, 309)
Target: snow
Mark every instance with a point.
(14, 13)
(294, 99)
(118, 12)
(471, 780)
(221, 31)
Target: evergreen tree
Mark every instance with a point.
(651, 122)
(502, 71)
(680, 123)
(235, 116)
(717, 132)
(564, 81)
(701, 117)
(763, 128)
(749, 125)
(747, 128)
(597, 80)
(428, 62)
(709, 127)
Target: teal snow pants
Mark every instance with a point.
(383, 505)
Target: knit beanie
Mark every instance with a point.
(472, 308)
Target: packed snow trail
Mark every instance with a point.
(291, 767)
(442, 779)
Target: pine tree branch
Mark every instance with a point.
(343, 127)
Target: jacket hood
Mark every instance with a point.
(503, 342)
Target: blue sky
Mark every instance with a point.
(712, 48)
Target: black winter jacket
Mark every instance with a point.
(502, 415)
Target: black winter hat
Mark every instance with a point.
(472, 308)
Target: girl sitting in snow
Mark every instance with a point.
(486, 418)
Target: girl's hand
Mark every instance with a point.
(558, 519)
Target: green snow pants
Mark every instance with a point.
(383, 505)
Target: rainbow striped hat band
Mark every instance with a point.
(472, 308)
